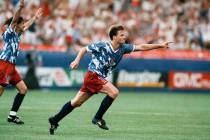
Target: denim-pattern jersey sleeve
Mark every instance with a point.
(128, 48)
(90, 48)
(96, 47)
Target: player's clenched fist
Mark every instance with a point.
(74, 64)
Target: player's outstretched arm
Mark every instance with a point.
(17, 14)
(38, 14)
(75, 63)
(146, 47)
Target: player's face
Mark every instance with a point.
(121, 36)
(20, 26)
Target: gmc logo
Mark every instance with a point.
(187, 80)
(190, 80)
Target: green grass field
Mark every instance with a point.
(133, 116)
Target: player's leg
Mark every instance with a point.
(22, 90)
(112, 93)
(77, 101)
(1, 90)
(3, 76)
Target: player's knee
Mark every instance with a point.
(115, 93)
(1, 91)
(23, 90)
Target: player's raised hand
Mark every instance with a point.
(39, 13)
(166, 44)
(22, 3)
(74, 64)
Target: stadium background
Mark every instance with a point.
(68, 25)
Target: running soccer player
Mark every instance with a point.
(8, 74)
(105, 57)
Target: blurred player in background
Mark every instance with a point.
(8, 74)
(105, 57)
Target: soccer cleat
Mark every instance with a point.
(53, 125)
(101, 123)
(15, 119)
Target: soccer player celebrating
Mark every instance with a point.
(8, 73)
(105, 57)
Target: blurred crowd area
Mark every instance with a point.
(75, 23)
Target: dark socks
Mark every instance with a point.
(17, 102)
(105, 104)
(66, 109)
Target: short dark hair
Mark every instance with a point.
(8, 21)
(114, 29)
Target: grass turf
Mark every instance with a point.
(133, 116)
